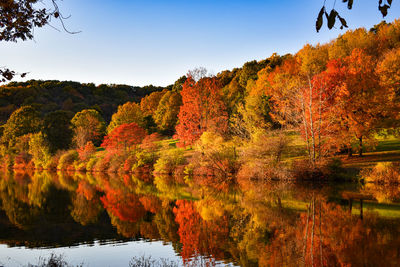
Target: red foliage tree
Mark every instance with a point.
(124, 136)
(202, 110)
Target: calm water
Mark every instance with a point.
(106, 220)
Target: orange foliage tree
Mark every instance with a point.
(361, 102)
(202, 110)
(299, 95)
(149, 103)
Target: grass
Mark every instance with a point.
(388, 144)
(382, 209)
(294, 204)
(387, 150)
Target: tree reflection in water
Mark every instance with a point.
(251, 223)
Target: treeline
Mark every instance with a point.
(50, 96)
(338, 96)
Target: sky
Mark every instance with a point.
(156, 42)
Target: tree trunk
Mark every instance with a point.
(361, 146)
(349, 151)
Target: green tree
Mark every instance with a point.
(57, 130)
(166, 115)
(23, 121)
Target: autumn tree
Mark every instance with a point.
(127, 113)
(149, 103)
(344, 44)
(389, 75)
(23, 121)
(362, 101)
(88, 125)
(166, 115)
(202, 109)
(124, 136)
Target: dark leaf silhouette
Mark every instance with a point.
(332, 18)
(384, 10)
(319, 22)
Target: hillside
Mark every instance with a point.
(50, 96)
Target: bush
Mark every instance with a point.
(261, 157)
(263, 171)
(67, 159)
(144, 160)
(116, 163)
(102, 164)
(304, 170)
(329, 169)
(80, 166)
(40, 150)
(169, 161)
(386, 173)
(129, 162)
(214, 156)
(53, 261)
(333, 168)
(54, 161)
(144, 261)
(91, 163)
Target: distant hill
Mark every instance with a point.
(50, 96)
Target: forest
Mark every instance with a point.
(296, 116)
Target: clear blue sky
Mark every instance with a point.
(156, 42)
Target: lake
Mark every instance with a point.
(119, 220)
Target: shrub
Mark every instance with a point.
(214, 156)
(387, 173)
(129, 163)
(261, 157)
(91, 163)
(80, 166)
(169, 161)
(333, 169)
(53, 162)
(304, 170)
(144, 160)
(40, 150)
(263, 171)
(67, 159)
(87, 151)
(145, 261)
(116, 163)
(22, 160)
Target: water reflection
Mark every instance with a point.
(251, 223)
